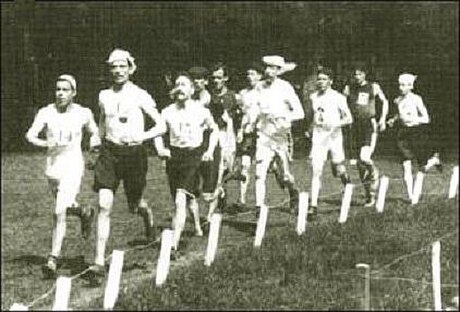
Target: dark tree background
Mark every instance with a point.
(41, 40)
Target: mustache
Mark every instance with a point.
(176, 91)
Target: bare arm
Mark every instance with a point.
(37, 126)
(92, 129)
(379, 93)
(346, 90)
(347, 118)
(150, 110)
(102, 130)
(423, 117)
(158, 141)
(214, 136)
(297, 112)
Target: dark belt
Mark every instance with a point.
(113, 145)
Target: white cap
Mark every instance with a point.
(70, 79)
(276, 60)
(407, 79)
(122, 55)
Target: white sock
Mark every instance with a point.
(58, 234)
(245, 164)
(194, 208)
(408, 179)
(431, 162)
(212, 207)
(260, 192)
(315, 187)
(418, 186)
(102, 235)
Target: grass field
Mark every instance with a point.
(315, 271)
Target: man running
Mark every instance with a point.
(278, 107)
(186, 121)
(330, 114)
(362, 96)
(64, 122)
(123, 157)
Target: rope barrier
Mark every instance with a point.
(411, 254)
(274, 207)
(142, 247)
(396, 278)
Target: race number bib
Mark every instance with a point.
(65, 135)
(183, 133)
(363, 98)
(319, 116)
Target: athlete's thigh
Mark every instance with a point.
(68, 188)
(320, 147)
(336, 148)
(133, 171)
(105, 176)
(283, 163)
(264, 156)
(183, 172)
(209, 171)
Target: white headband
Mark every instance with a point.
(407, 78)
(70, 79)
(122, 55)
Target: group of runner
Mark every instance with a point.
(209, 137)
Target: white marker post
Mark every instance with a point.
(302, 215)
(436, 268)
(346, 200)
(453, 188)
(19, 307)
(213, 239)
(165, 253)
(61, 300)
(418, 186)
(260, 230)
(367, 286)
(113, 281)
(383, 187)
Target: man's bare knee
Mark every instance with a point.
(317, 168)
(105, 199)
(340, 168)
(365, 154)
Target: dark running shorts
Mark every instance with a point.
(127, 163)
(209, 171)
(183, 168)
(247, 146)
(361, 134)
(412, 144)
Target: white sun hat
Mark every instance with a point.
(276, 60)
(122, 55)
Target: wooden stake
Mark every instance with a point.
(213, 239)
(346, 200)
(167, 238)
(113, 282)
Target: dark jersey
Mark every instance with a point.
(226, 102)
(361, 101)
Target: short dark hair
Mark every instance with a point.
(197, 72)
(325, 71)
(361, 67)
(219, 65)
(258, 67)
(185, 74)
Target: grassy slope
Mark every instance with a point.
(26, 239)
(317, 270)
